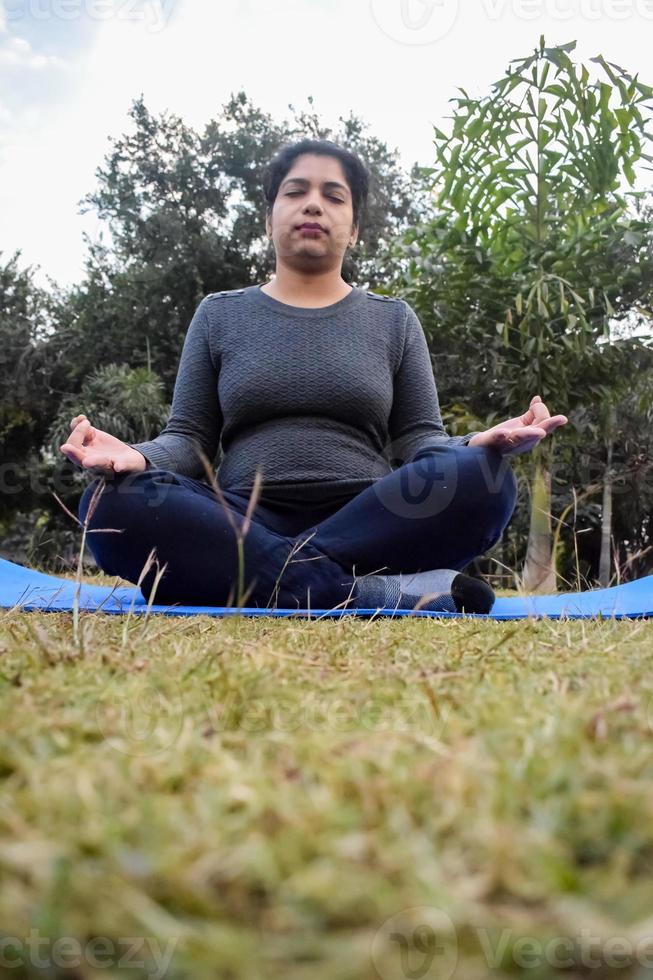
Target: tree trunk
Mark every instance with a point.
(605, 560)
(539, 573)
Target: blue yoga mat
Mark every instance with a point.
(30, 590)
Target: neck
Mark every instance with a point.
(318, 288)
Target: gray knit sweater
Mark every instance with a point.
(323, 400)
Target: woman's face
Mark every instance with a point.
(315, 190)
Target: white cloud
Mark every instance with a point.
(16, 52)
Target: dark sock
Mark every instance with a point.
(472, 595)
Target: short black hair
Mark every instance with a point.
(357, 174)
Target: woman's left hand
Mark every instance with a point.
(520, 434)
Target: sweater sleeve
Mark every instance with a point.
(415, 421)
(195, 420)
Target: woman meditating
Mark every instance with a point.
(327, 390)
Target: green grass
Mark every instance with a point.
(273, 797)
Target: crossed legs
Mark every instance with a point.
(443, 509)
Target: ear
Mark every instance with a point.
(354, 235)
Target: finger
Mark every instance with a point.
(72, 453)
(534, 411)
(520, 440)
(96, 460)
(76, 420)
(79, 433)
(554, 423)
(87, 460)
(540, 412)
(88, 432)
(526, 432)
(529, 414)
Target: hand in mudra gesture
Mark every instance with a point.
(520, 434)
(92, 448)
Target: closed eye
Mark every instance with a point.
(330, 196)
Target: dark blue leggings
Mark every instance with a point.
(446, 507)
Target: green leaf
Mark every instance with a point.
(571, 117)
(624, 118)
(600, 60)
(633, 238)
(557, 89)
(629, 172)
(475, 129)
(545, 75)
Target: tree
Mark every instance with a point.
(127, 403)
(25, 400)
(622, 447)
(533, 251)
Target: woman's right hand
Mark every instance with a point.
(92, 448)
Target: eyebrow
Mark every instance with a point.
(304, 181)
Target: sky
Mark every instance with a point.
(70, 69)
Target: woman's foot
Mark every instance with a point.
(448, 591)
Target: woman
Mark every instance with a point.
(328, 392)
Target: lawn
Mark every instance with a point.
(334, 800)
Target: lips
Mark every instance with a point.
(311, 226)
